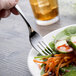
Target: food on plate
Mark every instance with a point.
(72, 42)
(63, 60)
(55, 65)
(63, 47)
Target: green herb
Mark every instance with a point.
(52, 45)
(70, 68)
(42, 65)
(71, 73)
(42, 71)
(39, 54)
(41, 57)
(62, 70)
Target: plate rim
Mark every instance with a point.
(61, 28)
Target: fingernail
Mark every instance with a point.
(16, 0)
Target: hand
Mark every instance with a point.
(6, 7)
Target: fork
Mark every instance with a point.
(35, 39)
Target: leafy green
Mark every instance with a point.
(42, 71)
(71, 73)
(52, 45)
(66, 33)
(42, 65)
(71, 69)
(70, 30)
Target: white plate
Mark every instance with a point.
(35, 71)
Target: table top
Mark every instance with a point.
(14, 42)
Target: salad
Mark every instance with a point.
(62, 61)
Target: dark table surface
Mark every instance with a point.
(14, 42)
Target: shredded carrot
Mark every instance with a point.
(39, 66)
(66, 58)
(46, 74)
(53, 64)
(50, 67)
(38, 61)
(59, 55)
(57, 72)
(46, 67)
(64, 64)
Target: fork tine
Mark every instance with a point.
(42, 50)
(47, 47)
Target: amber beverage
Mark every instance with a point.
(45, 11)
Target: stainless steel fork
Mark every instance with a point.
(35, 39)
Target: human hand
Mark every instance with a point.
(6, 7)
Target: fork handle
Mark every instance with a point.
(23, 16)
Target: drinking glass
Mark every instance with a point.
(45, 11)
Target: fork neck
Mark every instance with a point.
(23, 16)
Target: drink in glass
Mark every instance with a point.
(45, 11)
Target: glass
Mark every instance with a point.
(45, 11)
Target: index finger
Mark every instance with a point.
(7, 4)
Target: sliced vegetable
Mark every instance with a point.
(63, 47)
(72, 42)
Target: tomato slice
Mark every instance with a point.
(64, 48)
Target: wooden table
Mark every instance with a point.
(14, 42)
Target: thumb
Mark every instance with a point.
(7, 4)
